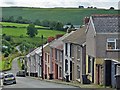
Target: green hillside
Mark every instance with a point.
(22, 30)
(64, 15)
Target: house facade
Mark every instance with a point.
(46, 61)
(74, 55)
(56, 57)
(34, 62)
(101, 45)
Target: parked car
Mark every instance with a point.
(1, 75)
(9, 78)
(21, 73)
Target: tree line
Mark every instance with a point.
(53, 25)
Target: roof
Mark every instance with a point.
(58, 43)
(46, 48)
(77, 37)
(36, 51)
(106, 23)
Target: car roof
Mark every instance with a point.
(8, 74)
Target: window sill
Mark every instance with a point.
(78, 59)
(113, 50)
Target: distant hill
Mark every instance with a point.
(64, 15)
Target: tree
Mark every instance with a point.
(31, 30)
(11, 19)
(112, 8)
(37, 22)
(19, 19)
(52, 24)
(81, 7)
(59, 26)
(45, 23)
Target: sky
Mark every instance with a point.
(60, 3)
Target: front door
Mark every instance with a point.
(70, 70)
(56, 71)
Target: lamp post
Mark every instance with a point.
(42, 59)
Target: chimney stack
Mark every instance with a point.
(86, 20)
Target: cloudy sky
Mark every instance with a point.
(60, 3)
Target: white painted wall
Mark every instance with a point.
(68, 58)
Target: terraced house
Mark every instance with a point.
(34, 62)
(75, 55)
(102, 49)
(56, 57)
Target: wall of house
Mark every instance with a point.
(46, 65)
(101, 45)
(90, 47)
(59, 63)
(38, 63)
(28, 64)
(52, 62)
(33, 64)
(90, 40)
(75, 61)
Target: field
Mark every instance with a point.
(18, 25)
(19, 34)
(21, 30)
(64, 15)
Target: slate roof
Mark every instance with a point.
(106, 23)
(58, 43)
(36, 51)
(77, 37)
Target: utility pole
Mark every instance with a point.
(42, 59)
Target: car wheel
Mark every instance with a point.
(14, 82)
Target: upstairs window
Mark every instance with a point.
(113, 44)
(66, 49)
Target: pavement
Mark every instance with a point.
(75, 83)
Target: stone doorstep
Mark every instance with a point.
(75, 83)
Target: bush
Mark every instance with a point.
(6, 54)
(8, 38)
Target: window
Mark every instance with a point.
(113, 44)
(52, 52)
(61, 56)
(118, 44)
(48, 58)
(45, 56)
(56, 54)
(70, 50)
(66, 49)
(78, 52)
(66, 65)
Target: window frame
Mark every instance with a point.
(115, 43)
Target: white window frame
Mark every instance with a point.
(114, 40)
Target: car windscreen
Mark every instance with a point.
(9, 76)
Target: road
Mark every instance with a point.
(28, 82)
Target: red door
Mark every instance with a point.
(56, 71)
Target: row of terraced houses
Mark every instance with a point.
(89, 54)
